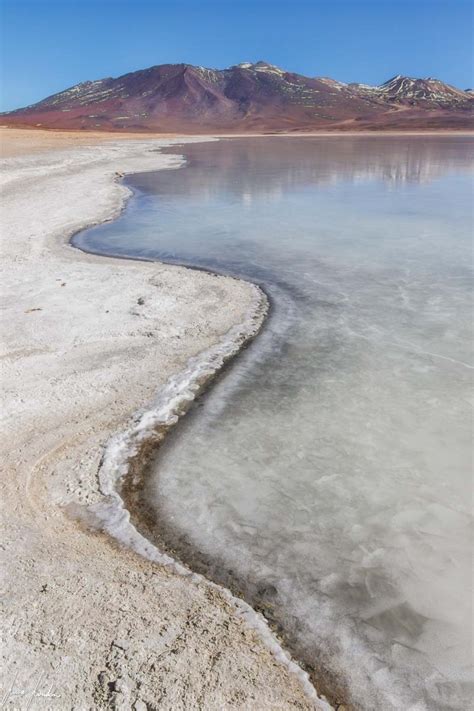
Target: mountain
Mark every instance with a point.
(246, 97)
(428, 93)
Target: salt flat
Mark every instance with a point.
(86, 341)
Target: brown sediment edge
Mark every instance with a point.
(127, 454)
(330, 693)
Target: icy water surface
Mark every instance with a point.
(326, 476)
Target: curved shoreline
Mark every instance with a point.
(128, 453)
(134, 529)
(77, 372)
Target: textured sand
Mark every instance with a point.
(86, 341)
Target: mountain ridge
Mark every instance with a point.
(247, 97)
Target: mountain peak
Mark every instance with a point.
(261, 66)
(428, 91)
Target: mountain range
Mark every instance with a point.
(258, 97)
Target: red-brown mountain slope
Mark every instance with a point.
(246, 97)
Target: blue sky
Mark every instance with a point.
(48, 45)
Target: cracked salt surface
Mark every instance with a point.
(326, 476)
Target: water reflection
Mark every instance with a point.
(262, 166)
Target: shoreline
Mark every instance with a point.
(145, 532)
(126, 489)
(47, 472)
(128, 466)
(123, 478)
(166, 135)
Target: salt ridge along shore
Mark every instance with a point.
(87, 341)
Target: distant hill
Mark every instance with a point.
(247, 97)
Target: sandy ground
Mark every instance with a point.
(85, 342)
(15, 142)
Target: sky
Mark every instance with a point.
(49, 45)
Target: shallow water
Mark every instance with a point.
(326, 476)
